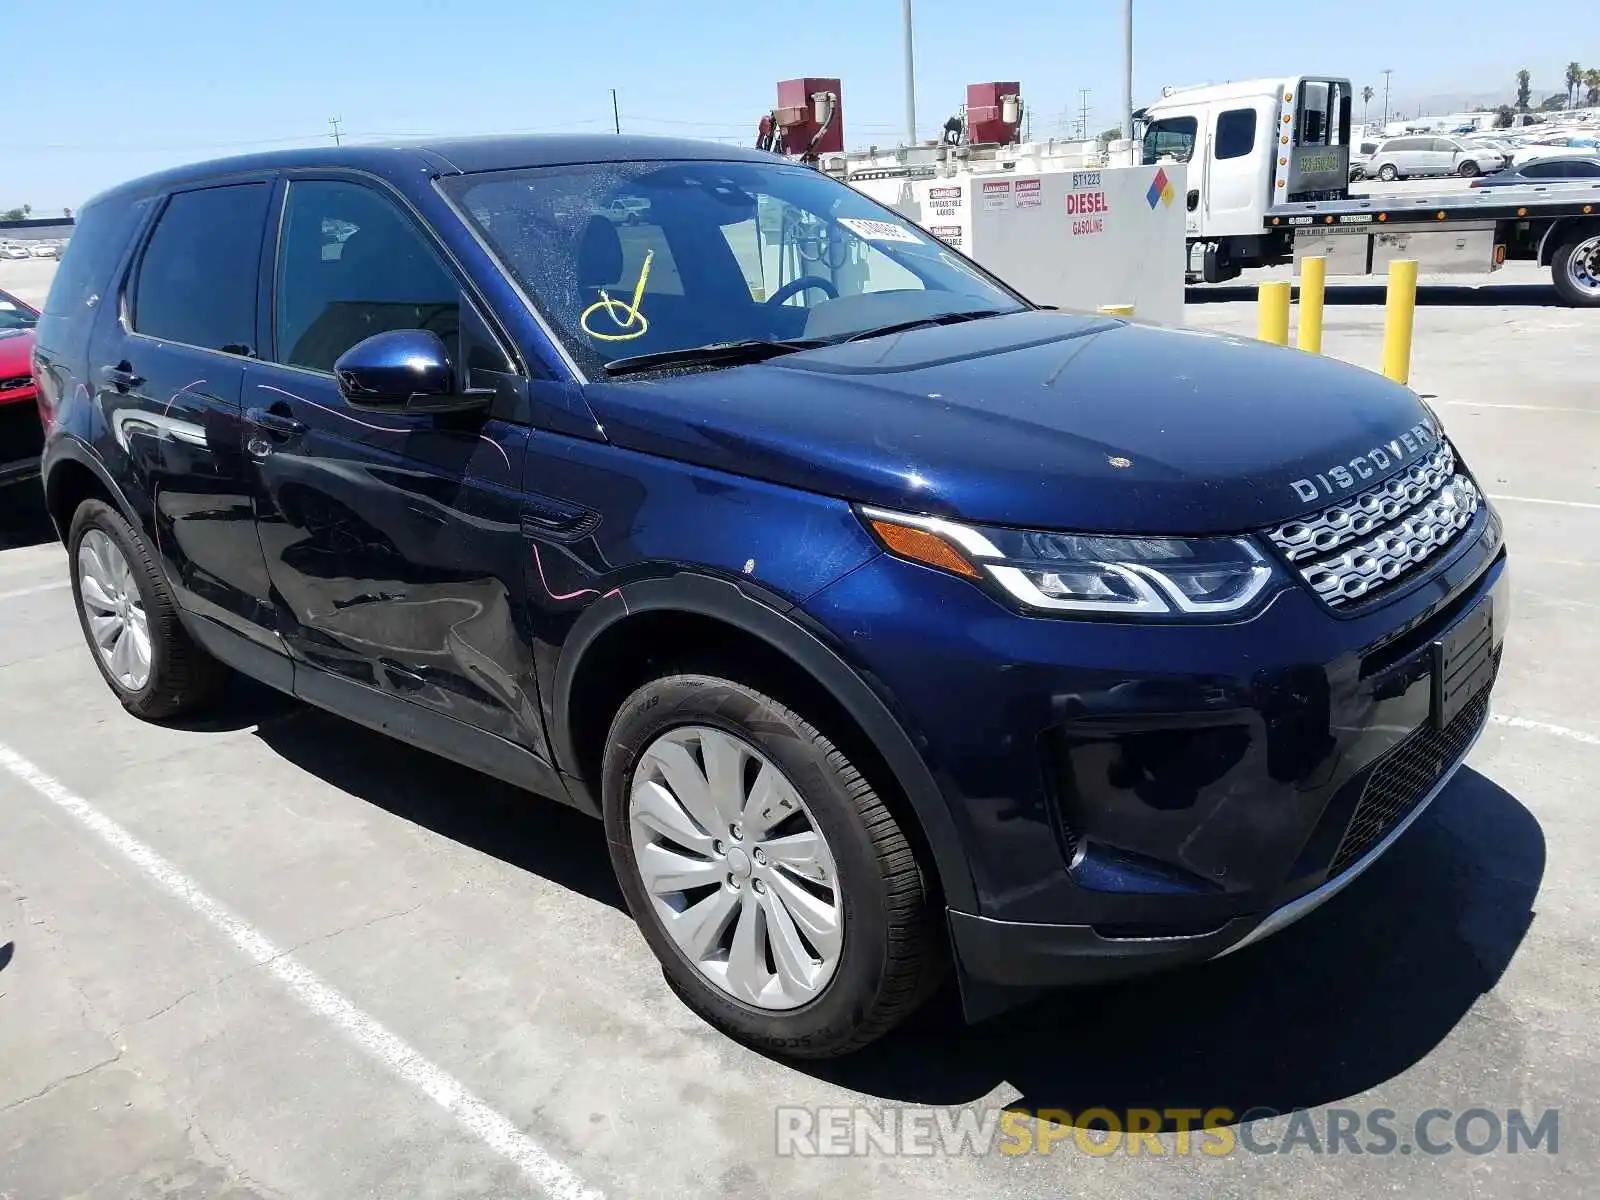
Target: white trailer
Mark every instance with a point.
(1268, 182)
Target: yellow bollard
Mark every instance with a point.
(1313, 275)
(1274, 303)
(1399, 310)
(1116, 310)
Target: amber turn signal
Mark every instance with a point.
(927, 548)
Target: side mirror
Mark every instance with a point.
(404, 370)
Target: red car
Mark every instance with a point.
(21, 435)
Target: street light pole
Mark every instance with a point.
(911, 82)
(1387, 72)
(1127, 69)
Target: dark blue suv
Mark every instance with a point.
(890, 622)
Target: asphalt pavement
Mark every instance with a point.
(271, 954)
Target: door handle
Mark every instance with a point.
(120, 375)
(272, 421)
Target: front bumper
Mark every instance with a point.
(1133, 797)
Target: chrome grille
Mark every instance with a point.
(1364, 543)
(15, 382)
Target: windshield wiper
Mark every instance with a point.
(716, 353)
(954, 318)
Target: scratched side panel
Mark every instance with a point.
(597, 517)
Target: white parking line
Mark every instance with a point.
(1577, 735)
(491, 1128)
(1542, 500)
(1593, 412)
(18, 593)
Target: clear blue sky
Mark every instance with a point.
(103, 90)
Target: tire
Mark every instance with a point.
(1467, 169)
(890, 953)
(180, 676)
(1387, 173)
(1575, 266)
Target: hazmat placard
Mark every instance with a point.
(1026, 193)
(996, 195)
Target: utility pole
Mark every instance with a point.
(616, 119)
(911, 80)
(1388, 71)
(335, 122)
(1083, 114)
(1126, 118)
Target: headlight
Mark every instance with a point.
(1075, 573)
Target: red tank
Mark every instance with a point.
(803, 110)
(986, 112)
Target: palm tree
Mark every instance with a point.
(1591, 80)
(1366, 99)
(1574, 78)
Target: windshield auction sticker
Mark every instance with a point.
(879, 231)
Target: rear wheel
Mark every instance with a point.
(130, 619)
(1575, 268)
(1467, 169)
(781, 896)
(1387, 173)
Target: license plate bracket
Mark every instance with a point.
(1463, 662)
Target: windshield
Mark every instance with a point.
(16, 315)
(633, 258)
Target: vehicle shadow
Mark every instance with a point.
(23, 519)
(526, 831)
(1353, 995)
(1429, 295)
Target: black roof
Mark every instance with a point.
(455, 156)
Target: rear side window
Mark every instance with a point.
(1542, 170)
(1236, 133)
(350, 265)
(197, 279)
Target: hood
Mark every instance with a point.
(1043, 420)
(16, 349)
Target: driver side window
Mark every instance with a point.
(350, 265)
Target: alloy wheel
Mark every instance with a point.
(736, 867)
(113, 610)
(1583, 268)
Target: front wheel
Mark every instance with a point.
(1467, 169)
(1387, 173)
(783, 899)
(1575, 268)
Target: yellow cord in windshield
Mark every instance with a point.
(631, 324)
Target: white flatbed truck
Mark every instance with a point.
(1268, 170)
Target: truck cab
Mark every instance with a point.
(1249, 146)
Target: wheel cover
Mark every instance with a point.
(113, 610)
(1583, 268)
(736, 867)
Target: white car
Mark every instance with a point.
(42, 250)
(1554, 146)
(13, 251)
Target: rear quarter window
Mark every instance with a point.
(99, 238)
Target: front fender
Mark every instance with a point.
(721, 600)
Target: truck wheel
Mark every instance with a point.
(130, 619)
(1575, 268)
(782, 898)
(1467, 169)
(1387, 173)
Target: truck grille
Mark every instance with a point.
(1354, 547)
(1406, 774)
